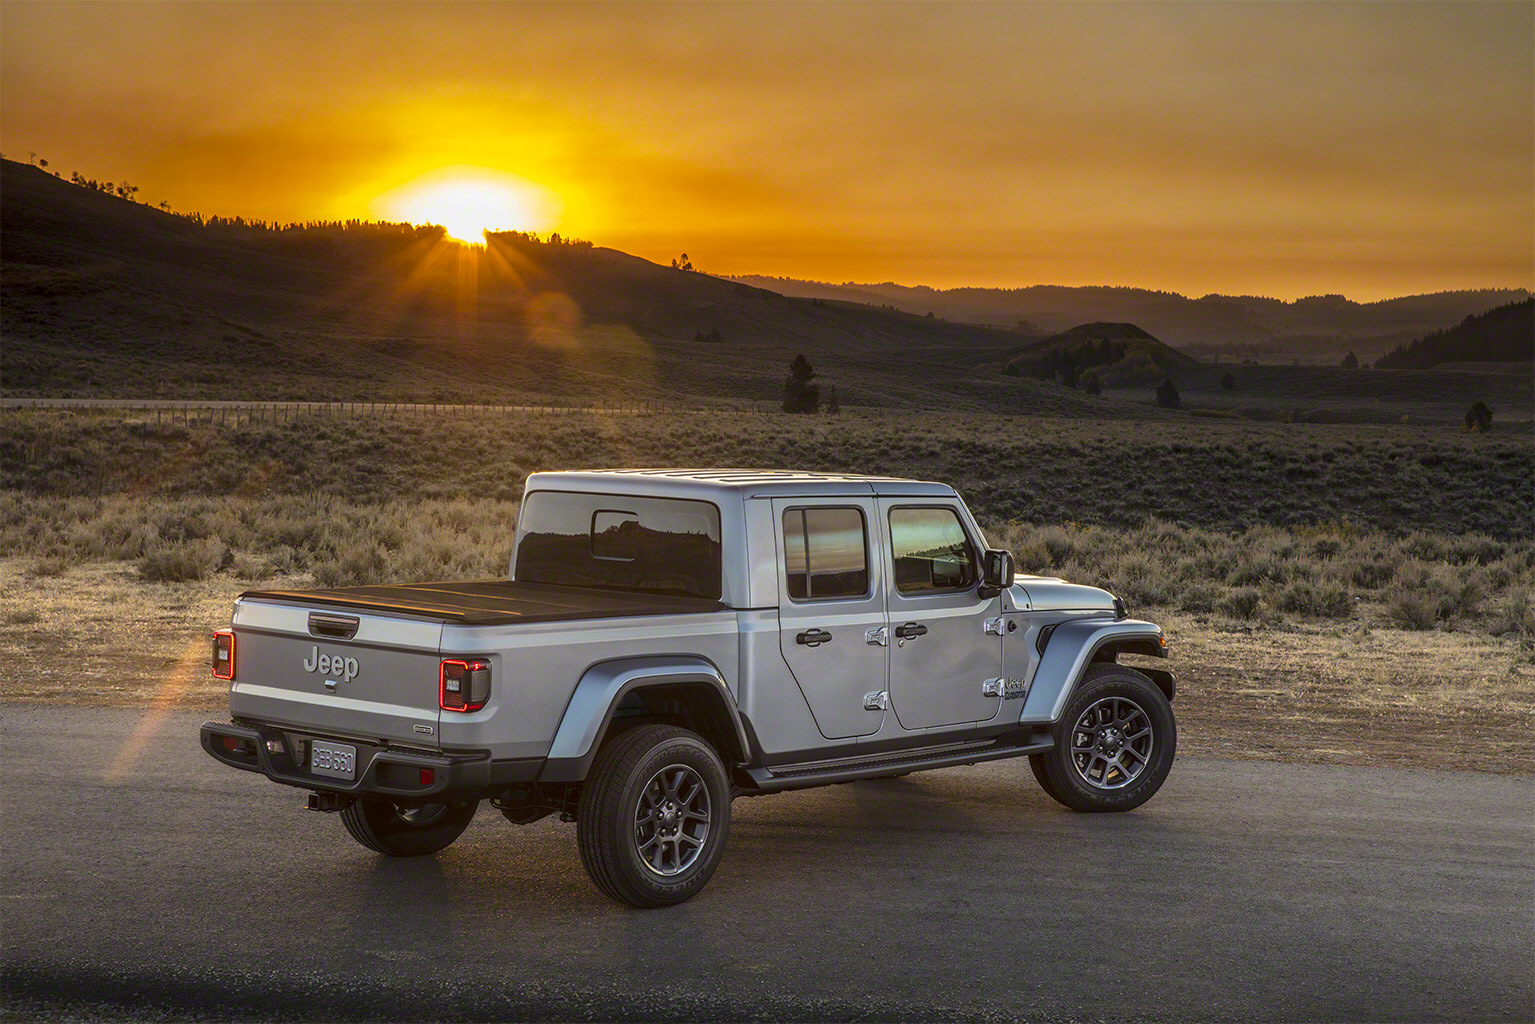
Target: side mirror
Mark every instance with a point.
(996, 571)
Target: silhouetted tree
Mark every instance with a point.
(1167, 394)
(1228, 382)
(42, 163)
(1068, 370)
(1350, 362)
(714, 335)
(833, 406)
(165, 205)
(682, 263)
(1479, 418)
(799, 395)
(1091, 384)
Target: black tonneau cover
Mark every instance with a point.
(493, 602)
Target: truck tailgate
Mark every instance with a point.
(337, 671)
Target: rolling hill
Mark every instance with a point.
(104, 297)
(1118, 355)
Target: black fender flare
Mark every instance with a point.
(1072, 648)
(603, 687)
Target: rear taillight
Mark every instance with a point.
(224, 654)
(463, 685)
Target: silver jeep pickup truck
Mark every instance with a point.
(669, 640)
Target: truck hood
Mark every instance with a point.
(1046, 593)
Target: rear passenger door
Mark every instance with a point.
(941, 655)
(831, 611)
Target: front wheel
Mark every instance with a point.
(1114, 744)
(385, 827)
(654, 813)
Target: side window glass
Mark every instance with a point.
(930, 550)
(825, 553)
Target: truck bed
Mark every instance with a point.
(492, 602)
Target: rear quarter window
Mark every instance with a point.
(661, 545)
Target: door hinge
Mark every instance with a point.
(992, 687)
(993, 627)
(876, 701)
(879, 636)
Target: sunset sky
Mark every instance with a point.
(1287, 149)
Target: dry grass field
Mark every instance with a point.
(1281, 687)
(1361, 595)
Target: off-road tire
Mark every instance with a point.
(1117, 689)
(1041, 776)
(383, 828)
(610, 835)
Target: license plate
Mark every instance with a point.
(338, 760)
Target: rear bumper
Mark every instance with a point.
(382, 772)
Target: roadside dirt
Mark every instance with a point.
(1334, 694)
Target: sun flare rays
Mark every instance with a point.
(469, 201)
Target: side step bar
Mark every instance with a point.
(851, 770)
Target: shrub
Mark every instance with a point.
(1200, 597)
(1241, 603)
(1032, 556)
(248, 567)
(1167, 394)
(1320, 600)
(359, 563)
(1413, 611)
(1372, 574)
(50, 565)
(181, 563)
(1479, 417)
(1516, 614)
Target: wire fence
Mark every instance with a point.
(191, 411)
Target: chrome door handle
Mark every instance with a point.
(910, 631)
(813, 638)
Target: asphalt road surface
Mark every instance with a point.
(144, 881)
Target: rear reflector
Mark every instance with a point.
(235, 745)
(224, 654)
(463, 685)
(428, 776)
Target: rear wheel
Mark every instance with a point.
(385, 827)
(654, 813)
(1114, 744)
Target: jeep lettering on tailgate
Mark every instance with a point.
(331, 664)
(668, 640)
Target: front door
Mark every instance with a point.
(831, 613)
(941, 656)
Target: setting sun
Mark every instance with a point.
(470, 201)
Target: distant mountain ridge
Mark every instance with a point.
(1211, 320)
(1502, 335)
